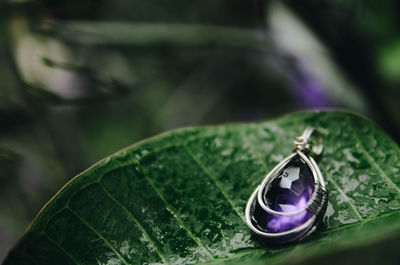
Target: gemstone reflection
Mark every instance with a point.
(289, 192)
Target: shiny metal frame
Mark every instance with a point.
(316, 204)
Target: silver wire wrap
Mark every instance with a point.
(317, 202)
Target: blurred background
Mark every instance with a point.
(80, 80)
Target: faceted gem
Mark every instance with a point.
(288, 192)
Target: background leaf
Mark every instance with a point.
(180, 197)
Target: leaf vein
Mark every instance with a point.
(130, 214)
(99, 235)
(61, 248)
(216, 182)
(341, 191)
(174, 213)
(383, 175)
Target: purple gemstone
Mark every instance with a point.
(289, 192)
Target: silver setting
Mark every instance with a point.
(316, 205)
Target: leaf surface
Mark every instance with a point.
(179, 198)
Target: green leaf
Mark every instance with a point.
(179, 198)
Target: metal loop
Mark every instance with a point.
(302, 143)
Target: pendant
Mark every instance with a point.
(292, 198)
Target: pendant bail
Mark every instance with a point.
(303, 144)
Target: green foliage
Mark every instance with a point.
(180, 197)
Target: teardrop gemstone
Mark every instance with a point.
(289, 192)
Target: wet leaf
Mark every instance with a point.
(179, 198)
